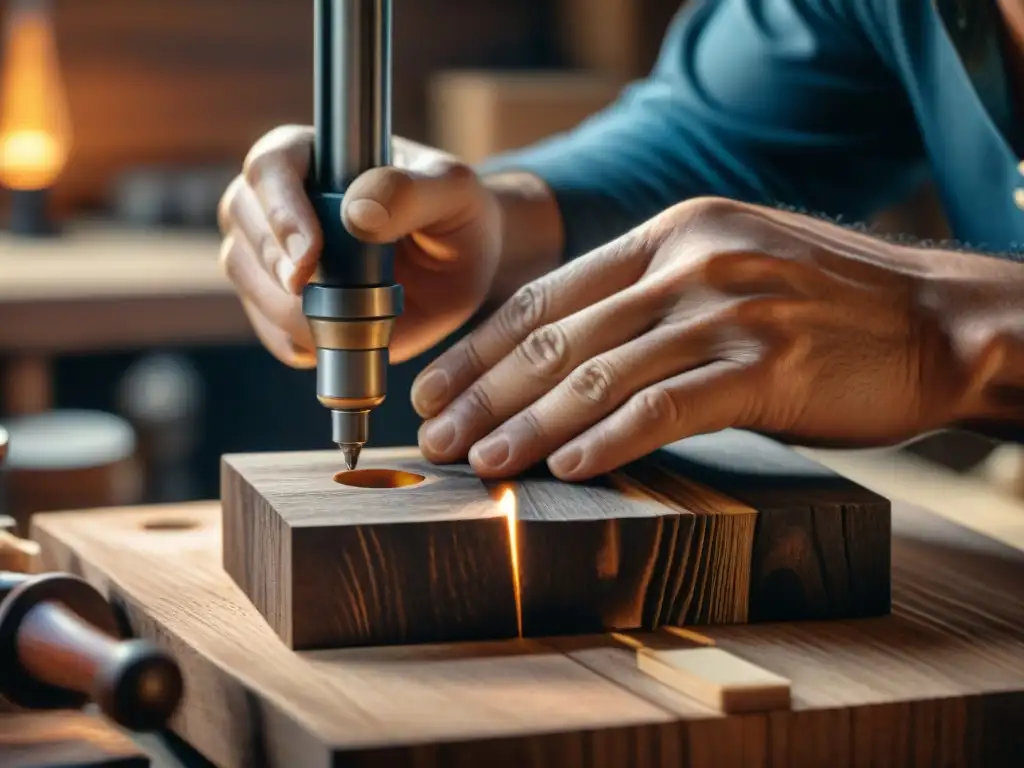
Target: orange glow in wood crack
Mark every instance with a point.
(507, 505)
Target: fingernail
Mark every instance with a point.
(368, 215)
(285, 269)
(492, 452)
(297, 246)
(302, 358)
(438, 435)
(429, 390)
(565, 460)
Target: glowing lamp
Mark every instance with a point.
(35, 129)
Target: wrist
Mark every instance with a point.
(532, 235)
(986, 332)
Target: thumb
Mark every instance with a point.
(386, 204)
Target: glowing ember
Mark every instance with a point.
(507, 505)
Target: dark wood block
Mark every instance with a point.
(822, 546)
(329, 564)
(725, 529)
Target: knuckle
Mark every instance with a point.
(471, 361)
(231, 255)
(712, 220)
(226, 205)
(592, 381)
(455, 170)
(705, 210)
(479, 401)
(285, 145)
(280, 217)
(545, 351)
(270, 143)
(438, 164)
(721, 264)
(654, 406)
(257, 162)
(761, 310)
(532, 423)
(391, 187)
(525, 309)
(268, 249)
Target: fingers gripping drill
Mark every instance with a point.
(353, 300)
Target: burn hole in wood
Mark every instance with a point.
(378, 478)
(170, 524)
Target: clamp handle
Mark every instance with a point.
(60, 649)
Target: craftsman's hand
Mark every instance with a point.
(716, 315)
(446, 225)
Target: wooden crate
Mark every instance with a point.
(475, 114)
(614, 38)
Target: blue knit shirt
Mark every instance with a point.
(835, 106)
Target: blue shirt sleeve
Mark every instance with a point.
(765, 101)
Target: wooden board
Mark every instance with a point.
(65, 740)
(939, 682)
(335, 566)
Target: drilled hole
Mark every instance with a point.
(378, 478)
(170, 524)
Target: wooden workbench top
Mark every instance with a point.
(103, 261)
(939, 682)
(99, 286)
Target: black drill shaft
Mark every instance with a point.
(352, 90)
(352, 300)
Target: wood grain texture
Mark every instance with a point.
(821, 548)
(252, 702)
(631, 550)
(65, 738)
(330, 566)
(325, 562)
(939, 682)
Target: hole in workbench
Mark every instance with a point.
(378, 478)
(170, 524)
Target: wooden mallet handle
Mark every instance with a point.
(59, 650)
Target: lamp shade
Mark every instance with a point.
(35, 127)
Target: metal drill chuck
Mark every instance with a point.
(351, 328)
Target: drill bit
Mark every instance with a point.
(349, 430)
(351, 453)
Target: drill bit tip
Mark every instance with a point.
(351, 453)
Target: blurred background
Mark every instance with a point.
(128, 366)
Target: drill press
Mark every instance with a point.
(353, 300)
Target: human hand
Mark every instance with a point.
(712, 315)
(445, 224)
